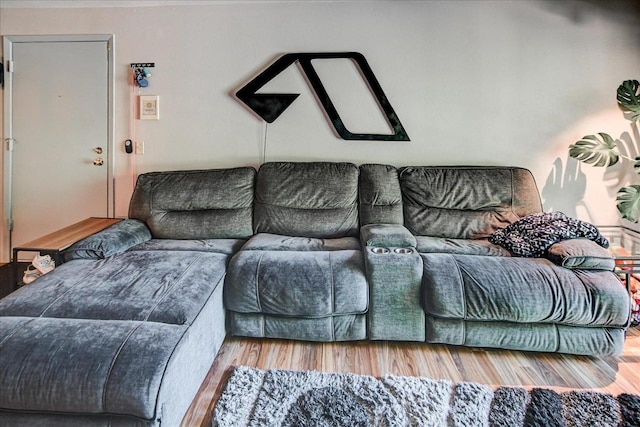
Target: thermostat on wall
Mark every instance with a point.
(149, 108)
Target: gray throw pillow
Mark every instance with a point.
(110, 241)
(581, 254)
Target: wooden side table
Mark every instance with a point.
(54, 243)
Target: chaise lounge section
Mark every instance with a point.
(124, 333)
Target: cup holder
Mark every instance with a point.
(380, 251)
(403, 250)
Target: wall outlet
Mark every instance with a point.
(139, 147)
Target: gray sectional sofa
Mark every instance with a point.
(124, 332)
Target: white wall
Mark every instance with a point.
(473, 82)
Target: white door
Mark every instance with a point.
(60, 135)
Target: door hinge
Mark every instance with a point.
(10, 223)
(9, 65)
(10, 143)
(108, 46)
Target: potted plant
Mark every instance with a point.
(601, 149)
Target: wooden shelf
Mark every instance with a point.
(54, 243)
(61, 239)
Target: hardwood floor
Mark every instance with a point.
(492, 367)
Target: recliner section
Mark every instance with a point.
(471, 291)
(302, 275)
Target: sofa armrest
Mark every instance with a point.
(387, 235)
(394, 272)
(110, 241)
(581, 254)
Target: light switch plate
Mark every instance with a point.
(149, 107)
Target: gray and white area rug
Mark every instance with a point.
(254, 397)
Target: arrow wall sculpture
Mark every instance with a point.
(270, 106)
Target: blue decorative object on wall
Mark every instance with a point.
(142, 73)
(270, 106)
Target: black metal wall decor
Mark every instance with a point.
(269, 106)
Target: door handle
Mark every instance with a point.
(98, 150)
(98, 162)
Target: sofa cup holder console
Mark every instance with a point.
(384, 251)
(403, 251)
(380, 251)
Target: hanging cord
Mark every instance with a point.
(264, 143)
(132, 128)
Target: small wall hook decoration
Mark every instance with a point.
(141, 71)
(141, 78)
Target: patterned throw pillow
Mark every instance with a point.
(533, 234)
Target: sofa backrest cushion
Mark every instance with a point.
(465, 202)
(316, 199)
(198, 204)
(379, 195)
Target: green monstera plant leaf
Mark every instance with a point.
(629, 202)
(596, 151)
(602, 150)
(629, 99)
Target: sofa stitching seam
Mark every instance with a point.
(4, 341)
(257, 283)
(71, 288)
(462, 288)
(171, 287)
(564, 297)
(512, 194)
(158, 411)
(348, 206)
(151, 203)
(464, 301)
(333, 300)
(113, 362)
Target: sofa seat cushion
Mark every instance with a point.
(78, 366)
(221, 246)
(298, 284)
(523, 290)
(156, 286)
(427, 244)
(276, 242)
